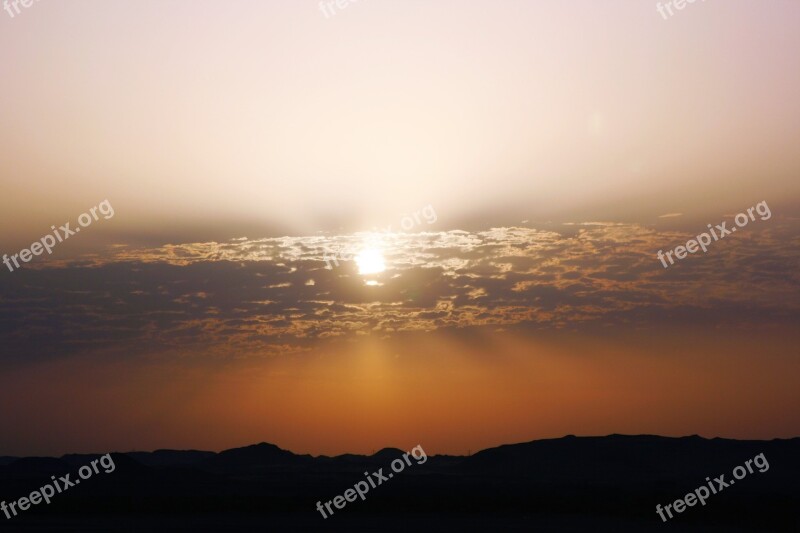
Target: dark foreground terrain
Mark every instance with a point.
(570, 484)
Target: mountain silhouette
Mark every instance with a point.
(610, 483)
(255, 457)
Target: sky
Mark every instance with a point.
(511, 168)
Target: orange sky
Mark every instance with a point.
(447, 393)
(561, 145)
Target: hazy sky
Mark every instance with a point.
(209, 118)
(560, 144)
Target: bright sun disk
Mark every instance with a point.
(370, 262)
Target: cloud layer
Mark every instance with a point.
(272, 296)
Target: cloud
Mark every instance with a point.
(270, 296)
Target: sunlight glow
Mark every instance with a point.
(370, 261)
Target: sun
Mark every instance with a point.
(370, 261)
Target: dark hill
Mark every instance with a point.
(576, 484)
